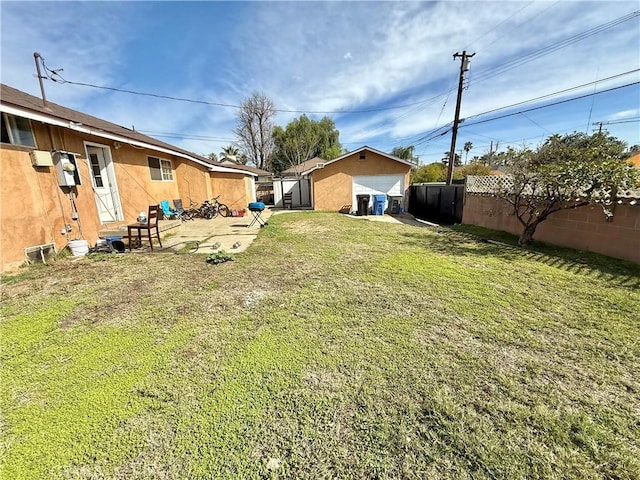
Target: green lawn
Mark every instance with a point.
(332, 348)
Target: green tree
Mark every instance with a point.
(230, 151)
(433, 172)
(457, 159)
(303, 139)
(467, 148)
(406, 153)
(474, 168)
(212, 156)
(564, 172)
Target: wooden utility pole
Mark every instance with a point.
(37, 57)
(464, 66)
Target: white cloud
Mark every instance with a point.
(625, 114)
(396, 53)
(69, 36)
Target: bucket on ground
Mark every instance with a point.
(79, 248)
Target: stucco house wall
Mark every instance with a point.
(35, 209)
(235, 190)
(332, 185)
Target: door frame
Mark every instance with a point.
(111, 177)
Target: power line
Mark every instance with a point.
(432, 134)
(548, 105)
(554, 94)
(55, 76)
(521, 60)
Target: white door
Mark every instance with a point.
(377, 184)
(104, 184)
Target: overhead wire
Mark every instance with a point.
(521, 60)
(55, 76)
(547, 105)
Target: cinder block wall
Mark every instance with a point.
(584, 228)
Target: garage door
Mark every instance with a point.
(377, 184)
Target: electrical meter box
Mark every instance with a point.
(41, 158)
(67, 169)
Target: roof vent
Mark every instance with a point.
(319, 165)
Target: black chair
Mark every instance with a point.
(287, 201)
(152, 224)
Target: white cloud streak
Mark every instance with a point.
(315, 56)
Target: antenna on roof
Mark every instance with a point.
(36, 57)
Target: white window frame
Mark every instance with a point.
(166, 169)
(11, 126)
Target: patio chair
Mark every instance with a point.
(180, 212)
(152, 224)
(166, 210)
(287, 201)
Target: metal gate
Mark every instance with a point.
(437, 203)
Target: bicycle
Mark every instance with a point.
(213, 208)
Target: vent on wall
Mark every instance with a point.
(363, 156)
(41, 158)
(40, 253)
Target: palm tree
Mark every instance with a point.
(230, 151)
(467, 146)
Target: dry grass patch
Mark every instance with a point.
(332, 348)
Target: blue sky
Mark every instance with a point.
(337, 57)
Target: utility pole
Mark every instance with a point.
(600, 126)
(37, 57)
(464, 67)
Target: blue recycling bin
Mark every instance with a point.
(378, 204)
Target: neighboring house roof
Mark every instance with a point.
(228, 162)
(305, 168)
(19, 103)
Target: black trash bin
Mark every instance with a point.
(363, 204)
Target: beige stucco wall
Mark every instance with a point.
(34, 209)
(584, 228)
(332, 186)
(234, 189)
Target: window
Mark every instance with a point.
(160, 169)
(17, 130)
(96, 170)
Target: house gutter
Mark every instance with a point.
(102, 134)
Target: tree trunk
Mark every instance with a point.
(526, 237)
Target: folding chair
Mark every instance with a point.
(256, 208)
(180, 212)
(166, 210)
(152, 224)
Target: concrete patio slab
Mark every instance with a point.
(231, 234)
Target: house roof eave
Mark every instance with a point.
(51, 120)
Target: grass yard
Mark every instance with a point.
(332, 348)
